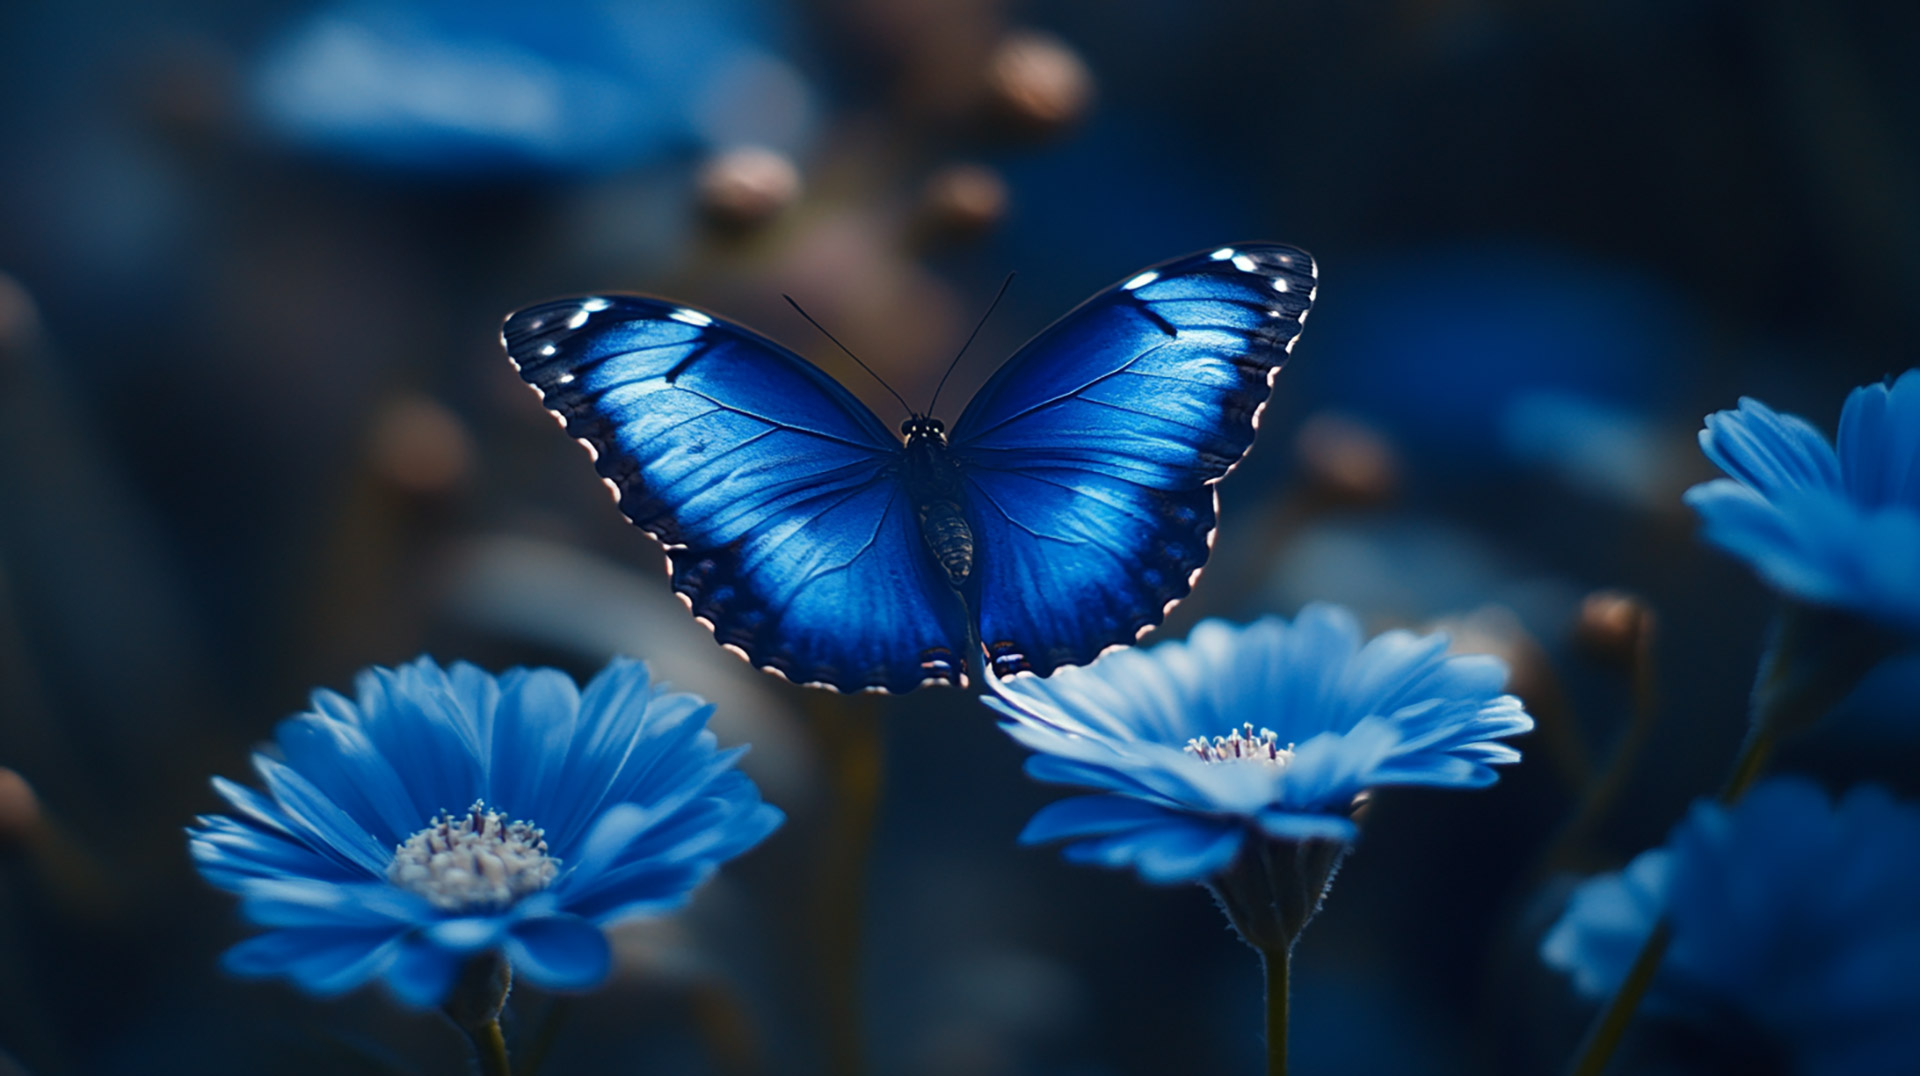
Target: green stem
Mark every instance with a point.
(490, 1046)
(1276, 962)
(474, 1007)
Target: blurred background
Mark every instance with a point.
(257, 431)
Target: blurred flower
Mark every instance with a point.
(1614, 626)
(1800, 917)
(582, 86)
(747, 186)
(1835, 529)
(1472, 354)
(1268, 730)
(572, 810)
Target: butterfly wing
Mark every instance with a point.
(1090, 457)
(778, 496)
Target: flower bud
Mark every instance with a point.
(420, 447)
(1612, 626)
(1346, 461)
(961, 201)
(19, 808)
(747, 187)
(1037, 83)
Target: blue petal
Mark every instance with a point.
(1301, 826)
(1088, 816)
(1880, 442)
(325, 962)
(422, 973)
(340, 761)
(1769, 452)
(323, 825)
(533, 724)
(227, 853)
(1183, 850)
(560, 952)
(415, 718)
(311, 902)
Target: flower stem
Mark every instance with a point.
(1276, 962)
(474, 1007)
(490, 1046)
(849, 732)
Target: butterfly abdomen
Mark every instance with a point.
(945, 528)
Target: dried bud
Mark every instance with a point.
(963, 200)
(19, 318)
(1037, 82)
(747, 187)
(1346, 461)
(19, 808)
(420, 447)
(1613, 626)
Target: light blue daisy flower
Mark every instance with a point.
(1797, 916)
(1238, 734)
(1839, 529)
(447, 814)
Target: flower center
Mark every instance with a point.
(475, 860)
(1244, 744)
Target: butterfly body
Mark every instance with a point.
(934, 483)
(1067, 509)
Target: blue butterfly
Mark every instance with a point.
(1070, 508)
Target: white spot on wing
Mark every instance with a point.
(1222, 254)
(563, 379)
(548, 349)
(1280, 284)
(1244, 263)
(1141, 281)
(691, 317)
(578, 319)
(595, 305)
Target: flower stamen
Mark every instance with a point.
(1244, 744)
(480, 859)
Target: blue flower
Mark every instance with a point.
(1800, 916)
(1271, 730)
(445, 813)
(1839, 529)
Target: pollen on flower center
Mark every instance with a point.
(476, 860)
(1244, 744)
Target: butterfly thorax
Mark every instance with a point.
(933, 481)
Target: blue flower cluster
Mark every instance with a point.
(445, 813)
(1800, 915)
(1837, 528)
(1269, 730)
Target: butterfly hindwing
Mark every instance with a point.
(777, 494)
(1090, 457)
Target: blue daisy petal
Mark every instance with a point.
(1798, 914)
(572, 809)
(1838, 529)
(1331, 714)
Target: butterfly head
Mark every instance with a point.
(920, 428)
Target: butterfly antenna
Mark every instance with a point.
(850, 354)
(963, 347)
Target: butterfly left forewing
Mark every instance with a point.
(1090, 457)
(777, 494)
